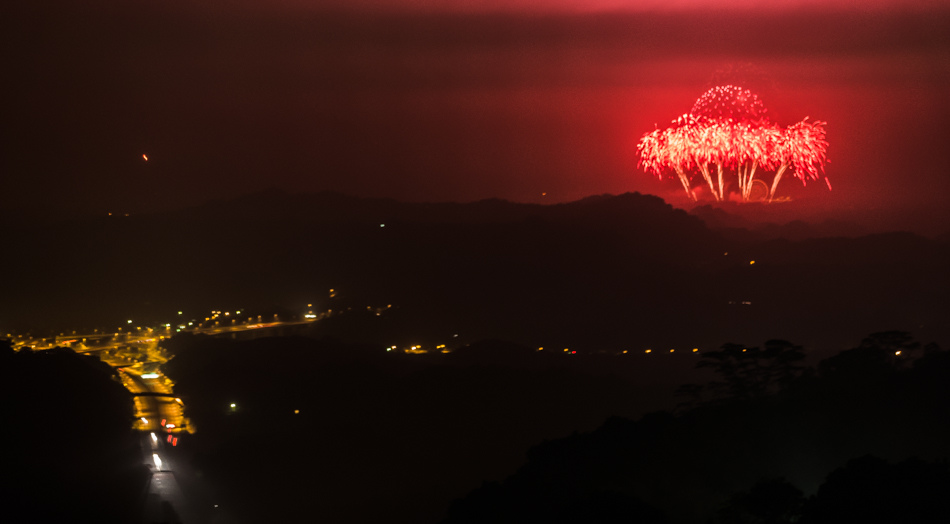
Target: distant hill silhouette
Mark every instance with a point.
(741, 223)
(606, 272)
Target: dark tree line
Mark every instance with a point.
(868, 489)
(863, 437)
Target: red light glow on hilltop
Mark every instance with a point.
(728, 129)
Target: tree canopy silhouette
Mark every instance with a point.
(870, 490)
(746, 372)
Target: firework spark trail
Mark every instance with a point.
(731, 103)
(729, 127)
(803, 149)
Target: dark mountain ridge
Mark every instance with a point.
(606, 272)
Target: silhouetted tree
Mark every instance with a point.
(878, 354)
(869, 490)
(750, 372)
(890, 342)
(693, 394)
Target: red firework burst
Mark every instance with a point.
(731, 103)
(729, 128)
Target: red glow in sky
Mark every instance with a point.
(588, 6)
(419, 104)
(728, 129)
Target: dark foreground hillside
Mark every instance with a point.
(863, 438)
(68, 453)
(331, 431)
(348, 433)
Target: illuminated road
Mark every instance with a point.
(161, 419)
(136, 355)
(165, 501)
(156, 407)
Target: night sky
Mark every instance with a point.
(421, 101)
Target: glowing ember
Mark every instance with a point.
(731, 103)
(728, 128)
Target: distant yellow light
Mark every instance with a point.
(540, 349)
(625, 352)
(695, 350)
(672, 350)
(144, 156)
(897, 353)
(296, 412)
(648, 351)
(566, 349)
(751, 262)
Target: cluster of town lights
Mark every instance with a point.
(419, 350)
